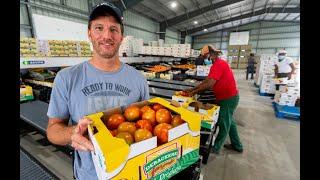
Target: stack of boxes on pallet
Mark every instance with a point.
(265, 66)
(233, 53)
(289, 93)
(244, 54)
(238, 56)
(28, 47)
(265, 73)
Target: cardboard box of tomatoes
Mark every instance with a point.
(152, 139)
(209, 112)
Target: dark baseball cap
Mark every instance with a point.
(101, 8)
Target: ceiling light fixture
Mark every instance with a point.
(205, 30)
(173, 4)
(195, 22)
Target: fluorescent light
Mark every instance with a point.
(195, 22)
(173, 4)
(205, 30)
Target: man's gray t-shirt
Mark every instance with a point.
(82, 89)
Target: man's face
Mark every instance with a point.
(105, 36)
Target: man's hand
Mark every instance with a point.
(189, 91)
(78, 139)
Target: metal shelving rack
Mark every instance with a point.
(46, 62)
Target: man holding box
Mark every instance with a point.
(93, 86)
(222, 81)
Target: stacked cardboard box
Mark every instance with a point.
(203, 70)
(28, 47)
(265, 66)
(84, 49)
(181, 50)
(287, 95)
(168, 51)
(267, 84)
(137, 46)
(233, 56)
(126, 46)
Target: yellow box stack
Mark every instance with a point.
(84, 49)
(28, 47)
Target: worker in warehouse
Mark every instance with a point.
(221, 80)
(284, 66)
(95, 85)
(251, 66)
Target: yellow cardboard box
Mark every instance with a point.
(114, 159)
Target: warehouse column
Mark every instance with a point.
(29, 11)
(183, 37)
(163, 27)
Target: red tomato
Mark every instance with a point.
(161, 131)
(142, 134)
(157, 106)
(176, 120)
(127, 127)
(163, 116)
(114, 132)
(114, 121)
(126, 136)
(132, 113)
(150, 115)
(144, 109)
(144, 124)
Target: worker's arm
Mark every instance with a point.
(275, 71)
(292, 70)
(58, 132)
(208, 83)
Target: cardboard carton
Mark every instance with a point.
(114, 159)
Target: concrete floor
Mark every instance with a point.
(271, 145)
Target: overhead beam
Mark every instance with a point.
(259, 12)
(296, 18)
(232, 27)
(126, 4)
(183, 17)
(284, 7)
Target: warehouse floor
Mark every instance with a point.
(271, 145)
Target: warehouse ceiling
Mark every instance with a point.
(194, 16)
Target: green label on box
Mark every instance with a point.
(182, 163)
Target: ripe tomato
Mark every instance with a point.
(161, 131)
(114, 132)
(142, 134)
(144, 124)
(114, 121)
(157, 106)
(163, 116)
(176, 120)
(150, 115)
(132, 113)
(126, 136)
(144, 109)
(127, 127)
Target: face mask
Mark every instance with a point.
(207, 61)
(281, 57)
